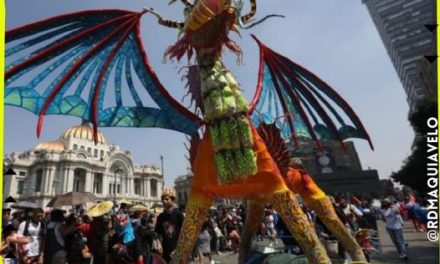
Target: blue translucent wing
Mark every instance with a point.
(91, 65)
(300, 104)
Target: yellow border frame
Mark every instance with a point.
(2, 67)
(437, 10)
(2, 63)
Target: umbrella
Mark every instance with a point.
(138, 208)
(72, 198)
(100, 209)
(125, 201)
(25, 205)
(10, 200)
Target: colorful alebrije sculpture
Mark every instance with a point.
(73, 59)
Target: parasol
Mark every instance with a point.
(25, 205)
(72, 198)
(100, 209)
(138, 208)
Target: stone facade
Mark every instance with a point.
(182, 185)
(75, 163)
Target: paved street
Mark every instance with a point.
(420, 250)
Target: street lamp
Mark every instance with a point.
(161, 165)
(116, 170)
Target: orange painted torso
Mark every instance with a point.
(267, 180)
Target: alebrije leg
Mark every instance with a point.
(300, 227)
(299, 181)
(325, 211)
(254, 217)
(196, 212)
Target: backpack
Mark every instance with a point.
(42, 229)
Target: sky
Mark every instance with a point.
(335, 39)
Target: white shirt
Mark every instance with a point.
(34, 237)
(392, 218)
(350, 209)
(269, 221)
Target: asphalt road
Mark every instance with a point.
(420, 250)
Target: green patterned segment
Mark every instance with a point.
(226, 111)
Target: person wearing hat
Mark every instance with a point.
(393, 222)
(99, 235)
(168, 224)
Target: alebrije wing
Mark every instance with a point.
(71, 64)
(300, 104)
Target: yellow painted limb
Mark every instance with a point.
(300, 227)
(325, 211)
(196, 212)
(254, 216)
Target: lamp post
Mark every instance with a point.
(161, 165)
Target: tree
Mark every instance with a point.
(413, 171)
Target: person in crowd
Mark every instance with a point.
(213, 234)
(17, 218)
(84, 225)
(123, 243)
(12, 243)
(35, 229)
(98, 239)
(144, 239)
(6, 217)
(76, 247)
(235, 238)
(393, 222)
(261, 231)
(269, 222)
(222, 222)
(168, 224)
(57, 229)
(351, 212)
(344, 219)
(368, 216)
(421, 213)
(204, 243)
(135, 220)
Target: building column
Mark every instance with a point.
(159, 188)
(105, 182)
(92, 180)
(126, 182)
(67, 179)
(87, 187)
(48, 180)
(63, 180)
(148, 194)
(43, 181)
(131, 184)
(70, 176)
(52, 175)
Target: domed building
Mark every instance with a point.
(75, 163)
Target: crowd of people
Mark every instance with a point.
(121, 235)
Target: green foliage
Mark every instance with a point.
(425, 109)
(413, 171)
